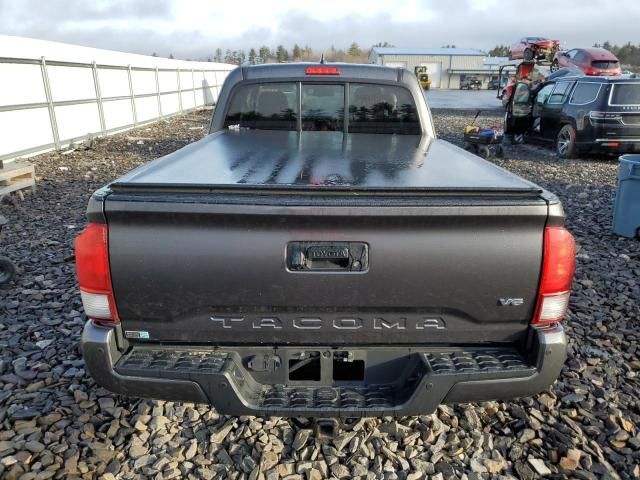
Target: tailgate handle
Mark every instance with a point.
(327, 257)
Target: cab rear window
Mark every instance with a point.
(322, 107)
(382, 109)
(625, 94)
(373, 108)
(264, 106)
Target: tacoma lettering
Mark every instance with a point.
(339, 323)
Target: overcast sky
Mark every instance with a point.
(195, 28)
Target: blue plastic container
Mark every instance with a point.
(626, 212)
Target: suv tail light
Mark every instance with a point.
(558, 266)
(599, 118)
(94, 276)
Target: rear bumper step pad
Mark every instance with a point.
(219, 377)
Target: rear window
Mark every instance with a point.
(322, 107)
(265, 106)
(382, 109)
(605, 65)
(625, 94)
(584, 93)
(372, 108)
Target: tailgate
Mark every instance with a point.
(444, 272)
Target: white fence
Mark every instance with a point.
(46, 104)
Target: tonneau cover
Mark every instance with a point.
(249, 159)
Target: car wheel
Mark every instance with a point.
(6, 270)
(484, 152)
(554, 66)
(528, 55)
(566, 142)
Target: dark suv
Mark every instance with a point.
(578, 114)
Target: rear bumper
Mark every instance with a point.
(220, 377)
(617, 145)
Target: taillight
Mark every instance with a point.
(322, 71)
(94, 276)
(599, 118)
(558, 266)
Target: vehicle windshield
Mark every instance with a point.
(625, 94)
(372, 108)
(536, 39)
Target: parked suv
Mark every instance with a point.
(578, 114)
(592, 61)
(469, 83)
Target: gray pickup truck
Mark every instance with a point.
(321, 253)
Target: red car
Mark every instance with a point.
(534, 48)
(592, 61)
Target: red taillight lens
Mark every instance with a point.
(559, 260)
(94, 276)
(322, 71)
(558, 266)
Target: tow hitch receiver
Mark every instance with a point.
(326, 428)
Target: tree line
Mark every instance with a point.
(628, 54)
(265, 54)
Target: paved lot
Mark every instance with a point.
(463, 99)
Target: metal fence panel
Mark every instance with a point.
(21, 84)
(169, 103)
(70, 83)
(35, 122)
(47, 104)
(113, 83)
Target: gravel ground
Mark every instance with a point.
(56, 423)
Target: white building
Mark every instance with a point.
(446, 66)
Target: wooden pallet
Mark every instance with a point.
(16, 176)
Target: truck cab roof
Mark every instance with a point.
(304, 72)
(282, 71)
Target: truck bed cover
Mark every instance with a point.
(250, 159)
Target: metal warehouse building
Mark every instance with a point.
(446, 66)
